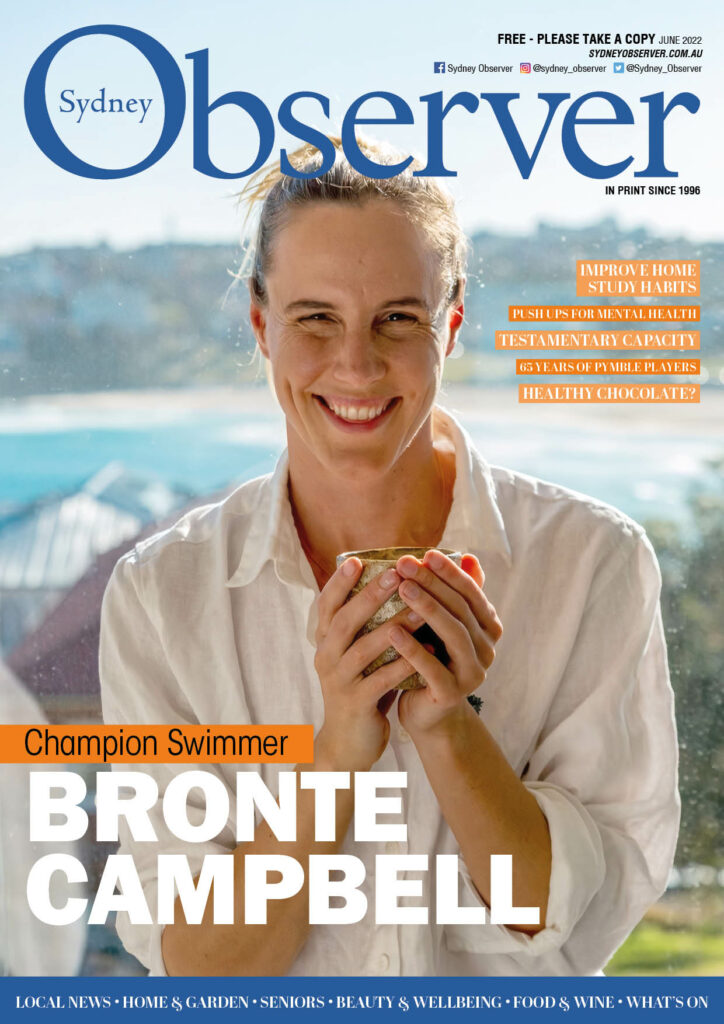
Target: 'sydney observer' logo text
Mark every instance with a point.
(654, 112)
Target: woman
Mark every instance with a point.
(238, 614)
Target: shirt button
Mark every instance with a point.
(382, 963)
(392, 848)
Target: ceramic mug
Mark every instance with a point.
(375, 561)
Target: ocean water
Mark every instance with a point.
(44, 450)
(202, 453)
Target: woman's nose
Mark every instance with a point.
(357, 359)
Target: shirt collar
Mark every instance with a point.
(474, 524)
(272, 535)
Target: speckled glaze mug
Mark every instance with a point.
(375, 561)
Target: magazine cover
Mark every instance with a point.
(361, 508)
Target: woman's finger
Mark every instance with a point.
(345, 617)
(460, 581)
(371, 645)
(455, 602)
(441, 682)
(389, 676)
(470, 565)
(335, 593)
(456, 635)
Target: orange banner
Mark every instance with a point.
(606, 340)
(626, 393)
(636, 314)
(675, 367)
(156, 744)
(645, 278)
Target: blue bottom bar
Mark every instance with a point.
(391, 998)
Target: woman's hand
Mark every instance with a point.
(451, 601)
(355, 730)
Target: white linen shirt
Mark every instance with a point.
(213, 620)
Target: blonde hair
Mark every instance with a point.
(428, 204)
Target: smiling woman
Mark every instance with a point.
(239, 614)
(356, 333)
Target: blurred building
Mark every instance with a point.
(58, 660)
(47, 546)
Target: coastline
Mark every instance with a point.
(473, 402)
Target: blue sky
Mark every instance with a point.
(342, 50)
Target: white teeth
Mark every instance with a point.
(355, 413)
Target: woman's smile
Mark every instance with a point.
(357, 415)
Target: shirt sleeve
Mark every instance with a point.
(138, 686)
(604, 773)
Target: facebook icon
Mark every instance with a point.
(439, 66)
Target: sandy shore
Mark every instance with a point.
(480, 403)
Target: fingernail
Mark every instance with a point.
(389, 579)
(410, 590)
(409, 568)
(413, 618)
(436, 560)
(397, 634)
(350, 567)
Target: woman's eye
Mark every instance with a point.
(398, 317)
(319, 322)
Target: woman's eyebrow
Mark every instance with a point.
(307, 304)
(408, 300)
(300, 304)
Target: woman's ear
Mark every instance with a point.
(257, 317)
(455, 317)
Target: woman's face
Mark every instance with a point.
(356, 333)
